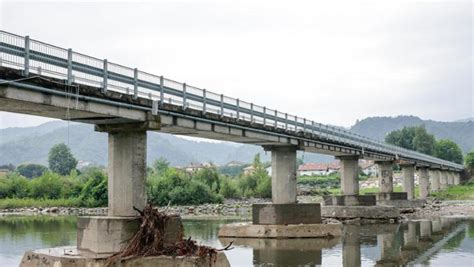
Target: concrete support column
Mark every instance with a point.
(390, 246)
(457, 178)
(450, 176)
(408, 173)
(443, 180)
(283, 174)
(126, 172)
(435, 180)
(385, 176)
(349, 175)
(424, 182)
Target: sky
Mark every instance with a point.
(329, 61)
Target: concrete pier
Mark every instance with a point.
(126, 172)
(424, 182)
(349, 186)
(425, 229)
(385, 176)
(443, 180)
(390, 248)
(457, 178)
(435, 180)
(408, 173)
(283, 174)
(410, 238)
(450, 178)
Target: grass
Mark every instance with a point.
(457, 192)
(11, 203)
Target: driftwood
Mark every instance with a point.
(149, 241)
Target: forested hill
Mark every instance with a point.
(32, 144)
(461, 132)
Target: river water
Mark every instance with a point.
(437, 242)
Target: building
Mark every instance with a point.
(368, 167)
(234, 163)
(310, 169)
(194, 167)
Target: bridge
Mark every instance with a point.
(41, 79)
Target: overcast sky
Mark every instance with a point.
(330, 61)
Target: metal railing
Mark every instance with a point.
(40, 58)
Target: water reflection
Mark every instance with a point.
(414, 242)
(437, 242)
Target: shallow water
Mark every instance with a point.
(441, 242)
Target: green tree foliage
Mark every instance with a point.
(448, 150)
(94, 192)
(160, 166)
(61, 160)
(469, 160)
(179, 188)
(210, 177)
(229, 188)
(48, 186)
(31, 170)
(414, 138)
(423, 141)
(257, 183)
(14, 186)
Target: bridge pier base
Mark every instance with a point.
(349, 186)
(283, 218)
(443, 180)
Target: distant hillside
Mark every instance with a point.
(32, 144)
(461, 132)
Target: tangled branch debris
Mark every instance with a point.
(149, 241)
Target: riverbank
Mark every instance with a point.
(241, 209)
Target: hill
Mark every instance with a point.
(32, 144)
(461, 132)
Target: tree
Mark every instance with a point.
(160, 166)
(423, 141)
(414, 138)
(469, 161)
(448, 150)
(31, 170)
(61, 160)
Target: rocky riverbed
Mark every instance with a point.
(243, 208)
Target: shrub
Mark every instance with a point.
(229, 188)
(31, 170)
(48, 186)
(94, 193)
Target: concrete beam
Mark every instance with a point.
(283, 174)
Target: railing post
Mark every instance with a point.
(27, 55)
(161, 91)
(69, 66)
(304, 124)
(222, 105)
(184, 96)
(105, 78)
(312, 127)
(204, 101)
(276, 117)
(264, 116)
(238, 108)
(251, 112)
(135, 83)
(286, 121)
(296, 123)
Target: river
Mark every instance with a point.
(447, 243)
